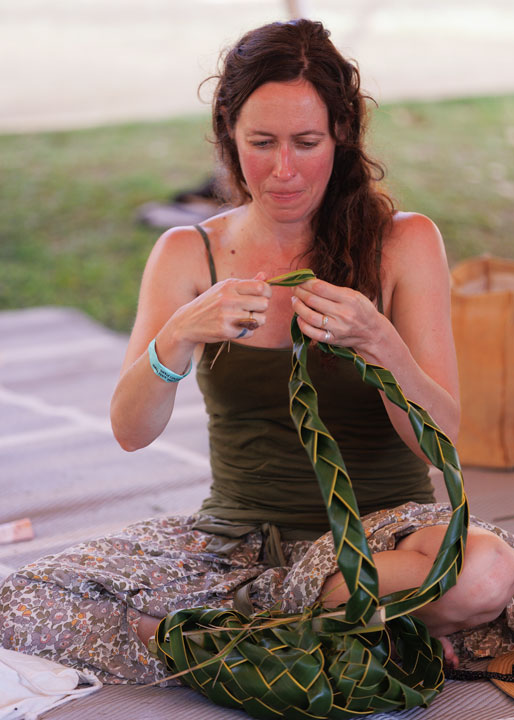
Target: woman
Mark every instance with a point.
(289, 123)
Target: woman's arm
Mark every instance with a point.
(178, 307)
(416, 343)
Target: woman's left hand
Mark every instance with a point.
(336, 315)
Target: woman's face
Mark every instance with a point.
(285, 149)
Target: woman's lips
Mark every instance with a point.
(285, 197)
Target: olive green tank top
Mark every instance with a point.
(261, 473)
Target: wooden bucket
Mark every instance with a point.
(483, 326)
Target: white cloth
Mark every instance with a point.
(30, 685)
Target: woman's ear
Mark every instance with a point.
(341, 132)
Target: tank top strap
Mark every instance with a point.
(212, 267)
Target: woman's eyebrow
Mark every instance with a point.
(264, 133)
(318, 133)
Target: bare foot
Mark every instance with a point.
(450, 658)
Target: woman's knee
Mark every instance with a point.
(486, 583)
(488, 574)
(484, 587)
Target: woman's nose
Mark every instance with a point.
(284, 163)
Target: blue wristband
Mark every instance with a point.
(160, 370)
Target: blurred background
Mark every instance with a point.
(99, 114)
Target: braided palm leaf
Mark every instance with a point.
(321, 664)
(352, 551)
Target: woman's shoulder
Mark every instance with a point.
(183, 248)
(188, 239)
(414, 238)
(413, 257)
(182, 259)
(413, 227)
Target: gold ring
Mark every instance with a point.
(324, 321)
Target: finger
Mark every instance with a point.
(315, 333)
(320, 304)
(324, 289)
(257, 287)
(318, 318)
(317, 326)
(313, 317)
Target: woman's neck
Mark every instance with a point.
(288, 237)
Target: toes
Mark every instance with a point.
(450, 658)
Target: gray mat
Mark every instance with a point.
(478, 700)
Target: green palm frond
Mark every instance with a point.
(289, 279)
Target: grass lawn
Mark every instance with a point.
(68, 200)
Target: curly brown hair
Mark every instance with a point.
(355, 212)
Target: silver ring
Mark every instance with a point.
(324, 321)
(327, 335)
(242, 333)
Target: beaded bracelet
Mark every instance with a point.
(161, 370)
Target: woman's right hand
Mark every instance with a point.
(222, 312)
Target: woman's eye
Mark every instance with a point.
(302, 144)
